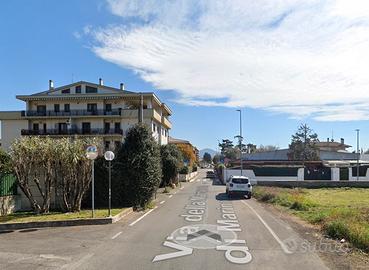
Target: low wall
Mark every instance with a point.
(187, 177)
(251, 175)
(8, 205)
(314, 184)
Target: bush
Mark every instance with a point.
(5, 163)
(194, 168)
(184, 170)
(171, 161)
(139, 166)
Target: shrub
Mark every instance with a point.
(184, 170)
(194, 168)
(171, 161)
(139, 166)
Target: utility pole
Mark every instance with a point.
(240, 141)
(140, 110)
(357, 154)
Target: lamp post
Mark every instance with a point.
(109, 156)
(91, 154)
(357, 154)
(240, 140)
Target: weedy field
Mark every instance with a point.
(341, 212)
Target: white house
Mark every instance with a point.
(85, 109)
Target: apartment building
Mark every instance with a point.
(86, 109)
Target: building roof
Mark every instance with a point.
(174, 140)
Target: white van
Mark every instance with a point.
(238, 185)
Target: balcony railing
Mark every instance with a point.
(73, 131)
(72, 113)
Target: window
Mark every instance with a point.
(108, 107)
(66, 91)
(41, 110)
(56, 108)
(107, 145)
(154, 127)
(107, 127)
(117, 126)
(45, 128)
(92, 107)
(35, 127)
(86, 128)
(78, 89)
(90, 89)
(67, 107)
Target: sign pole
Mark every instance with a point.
(93, 189)
(109, 188)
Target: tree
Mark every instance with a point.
(225, 146)
(139, 166)
(303, 144)
(188, 153)
(171, 161)
(266, 148)
(52, 164)
(216, 159)
(5, 162)
(207, 157)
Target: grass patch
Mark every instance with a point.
(341, 212)
(30, 216)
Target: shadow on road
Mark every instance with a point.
(216, 182)
(224, 197)
(28, 230)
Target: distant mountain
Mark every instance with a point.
(208, 150)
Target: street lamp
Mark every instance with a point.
(91, 154)
(240, 140)
(357, 154)
(109, 156)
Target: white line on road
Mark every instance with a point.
(115, 236)
(175, 193)
(283, 246)
(162, 202)
(144, 215)
(198, 180)
(182, 188)
(170, 196)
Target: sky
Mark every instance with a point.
(282, 62)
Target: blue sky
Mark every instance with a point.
(204, 59)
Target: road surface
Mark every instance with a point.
(195, 227)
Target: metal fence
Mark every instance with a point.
(8, 185)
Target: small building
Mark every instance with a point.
(335, 163)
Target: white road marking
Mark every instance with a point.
(283, 246)
(183, 251)
(175, 193)
(198, 180)
(162, 202)
(182, 188)
(170, 196)
(115, 236)
(144, 215)
(54, 257)
(77, 264)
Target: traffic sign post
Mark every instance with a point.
(109, 156)
(91, 154)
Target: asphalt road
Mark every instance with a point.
(195, 228)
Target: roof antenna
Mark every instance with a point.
(332, 140)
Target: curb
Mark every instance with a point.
(65, 223)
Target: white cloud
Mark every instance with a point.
(303, 59)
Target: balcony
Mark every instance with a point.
(114, 112)
(73, 131)
(166, 122)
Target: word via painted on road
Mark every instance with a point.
(182, 251)
(197, 206)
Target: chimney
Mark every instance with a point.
(342, 141)
(101, 82)
(51, 84)
(122, 86)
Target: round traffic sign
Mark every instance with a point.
(109, 155)
(91, 152)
